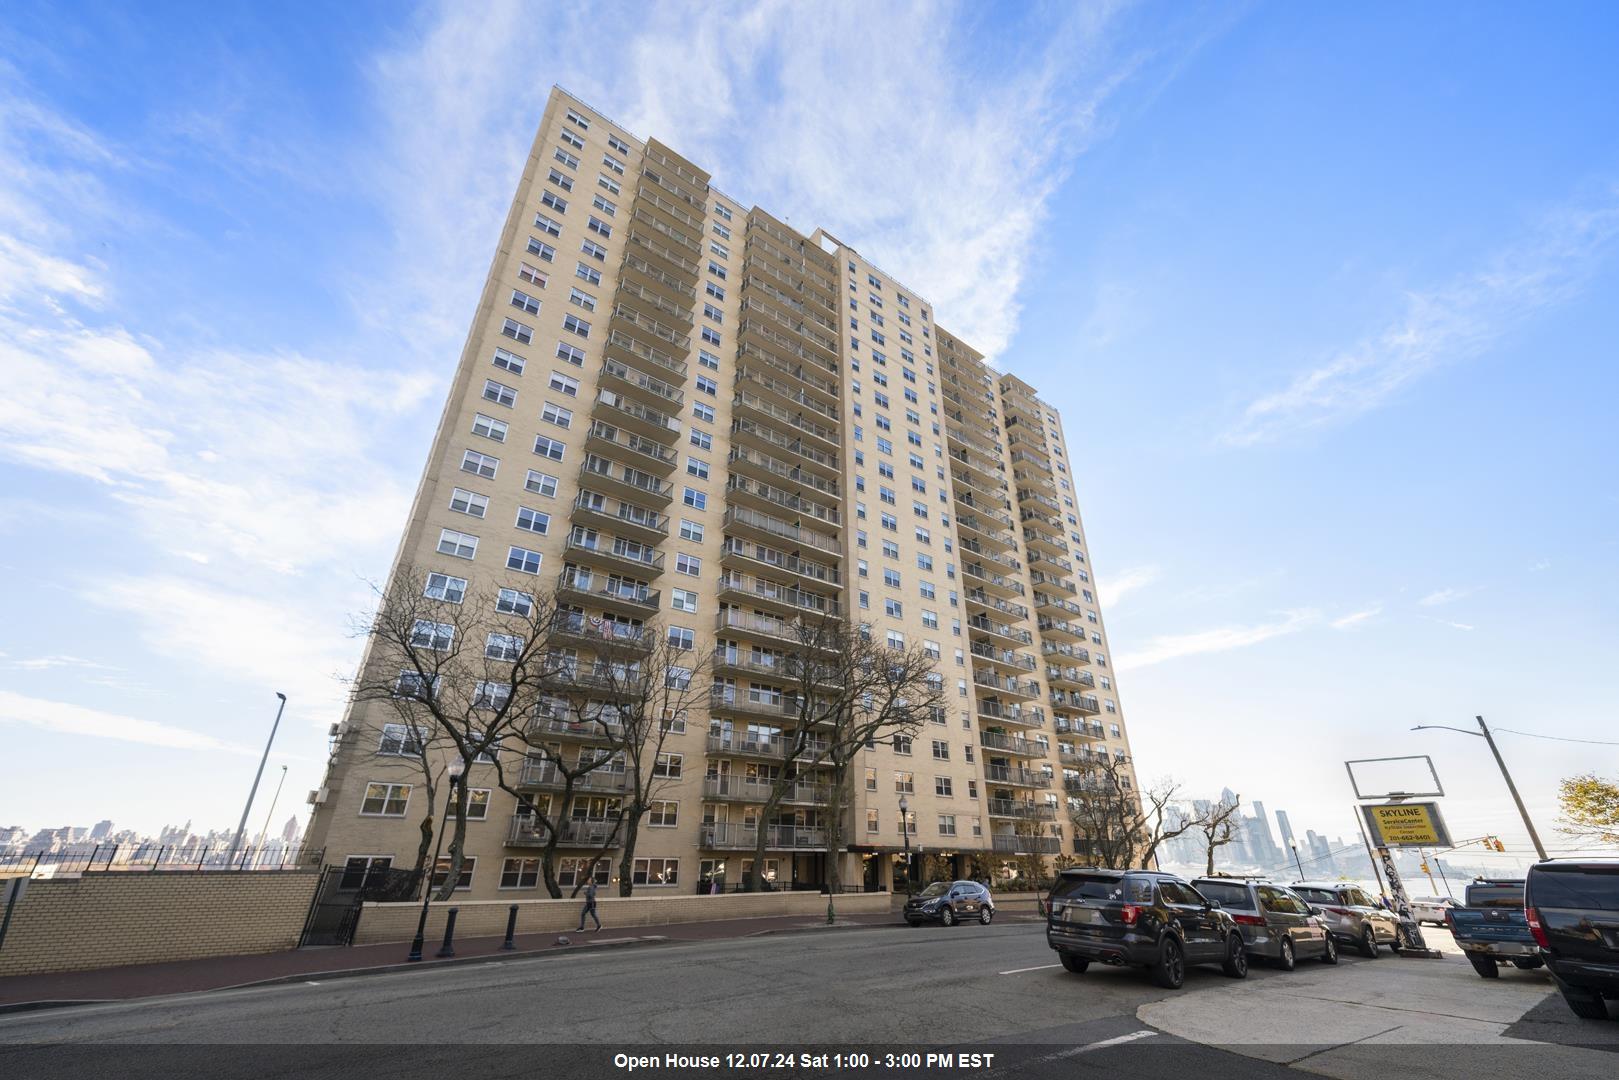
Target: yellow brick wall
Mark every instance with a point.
(112, 919)
(486, 918)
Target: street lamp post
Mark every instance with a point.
(905, 832)
(455, 770)
(1294, 844)
(254, 790)
(1484, 733)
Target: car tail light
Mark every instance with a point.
(1338, 910)
(1450, 920)
(1249, 920)
(1532, 915)
(1128, 914)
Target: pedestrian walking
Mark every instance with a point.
(590, 907)
(713, 886)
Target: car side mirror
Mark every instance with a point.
(1314, 910)
(1213, 905)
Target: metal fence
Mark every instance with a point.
(147, 858)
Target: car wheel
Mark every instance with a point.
(1584, 1004)
(1484, 965)
(1236, 957)
(1330, 956)
(1074, 963)
(1368, 943)
(947, 916)
(985, 914)
(1169, 970)
(1287, 961)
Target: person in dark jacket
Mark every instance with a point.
(590, 907)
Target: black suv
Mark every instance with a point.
(949, 902)
(1573, 910)
(1142, 918)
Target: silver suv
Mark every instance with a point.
(1276, 923)
(1353, 917)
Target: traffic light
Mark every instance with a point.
(1425, 869)
(1499, 846)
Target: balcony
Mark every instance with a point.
(1072, 702)
(1021, 810)
(988, 470)
(648, 245)
(1005, 659)
(1022, 715)
(1015, 777)
(730, 788)
(1048, 581)
(651, 305)
(678, 291)
(787, 708)
(1010, 744)
(527, 831)
(583, 586)
(1070, 756)
(990, 581)
(627, 349)
(760, 745)
(1057, 653)
(1024, 459)
(659, 394)
(1043, 543)
(1007, 685)
(734, 836)
(776, 470)
(1060, 629)
(1070, 678)
(741, 588)
(1038, 481)
(644, 453)
(573, 729)
(743, 521)
(1064, 725)
(814, 377)
(596, 633)
(1028, 496)
(544, 775)
(619, 517)
(975, 525)
(774, 498)
(987, 450)
(746, 555)
(1050, 564)
(622, 555)
(1016, 611)
(983, 624)
(619, 410)
(970, 483)
(750, 432)
(624, 481)
(1005, 564)
(768, 628)
(1011, 844)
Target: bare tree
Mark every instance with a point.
(459, 671)
(1124, 826)
(1218, 824)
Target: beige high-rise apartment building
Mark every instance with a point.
(672, 407)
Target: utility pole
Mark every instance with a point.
(265, 832)
(1534, 837)
(1371, 858)
(254, 790)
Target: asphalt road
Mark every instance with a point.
(981, 989)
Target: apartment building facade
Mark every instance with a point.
(673, 409)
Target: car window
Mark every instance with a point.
(1496, 896)
(1174, 892)
(1300, 907)
(1273, 899)
(1230, 894)
(1571, 887)
(938, 888)
(1357, 898)
(1090, 887)
(1317, 896)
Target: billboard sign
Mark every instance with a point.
(1406, 824)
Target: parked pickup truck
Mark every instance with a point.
(1490, 927)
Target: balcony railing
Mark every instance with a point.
(774, 526)
(1001, 774)
(784, 470)
(734, 836)
(780, 560)
(745, 789)
(1021, 809)
(1008, 844)
(576, 832)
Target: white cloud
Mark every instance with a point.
(1223, 639)
(64, 718)
(1538, 565)
(1453, 322)
(1356, 618)
(1137, 577)
(1449, 623)
(1445, 596)
(45, 663)
(936, 160)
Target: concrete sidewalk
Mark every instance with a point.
(148, 980)
(1341, 1021)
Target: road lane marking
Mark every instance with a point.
(1019, 971)
(1118, 1040)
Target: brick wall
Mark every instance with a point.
(110, 919)
(487, 918)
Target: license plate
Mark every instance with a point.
(1079, 915)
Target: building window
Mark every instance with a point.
(905, 783)
(399, 740)
(385, 800)
(514, 602)
(459, 544)
(691, 530)
(442, 871)
(468, 502)
(499, 393)
(489, 427)
(509, 361)
(688, 564)
(663, 815)
(655, 871)
(871, 821)
(523, 561)
(682, 638)
(572, 355)
(533, 520)
(941, 750)
(541, 483)
(549, 448)
(525, 301)
(505, 647)
(575, 325)
(543, 251)
(451, 590)
(562, 384)
(683, 599)
(520, 873)
(556, 414)
(668, 766)
(517, 331)
(947, 824)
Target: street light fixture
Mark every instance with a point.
(236, 842)
(1483, 732)
(905, 831)
(456, 768)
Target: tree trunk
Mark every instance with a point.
(626, 864)
(778, 790)
(457, 844)
(1209, 870)
(427, 842)
(834, 830)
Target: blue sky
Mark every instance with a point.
(1327, 298)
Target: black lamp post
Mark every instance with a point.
(1294, 844)
(455, 770)
(905, 831)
